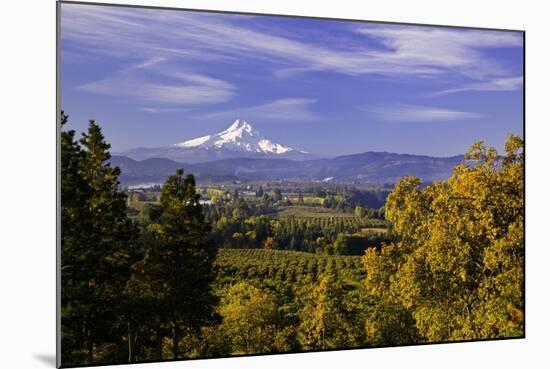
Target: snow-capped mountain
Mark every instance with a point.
(240, 136)
(240, 139)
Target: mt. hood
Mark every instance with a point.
(240, 140)
(240, 136)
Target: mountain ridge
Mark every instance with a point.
(368, 167)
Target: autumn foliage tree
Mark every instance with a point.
(458, 264)
(249, 318)
(323, 318)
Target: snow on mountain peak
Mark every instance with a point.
(239, 136)
(194, 142)
(240, 125)
(240, 129)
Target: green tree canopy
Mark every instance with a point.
(182, 256)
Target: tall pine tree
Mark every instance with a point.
(96, 235)
(74, 216)
(186, 254)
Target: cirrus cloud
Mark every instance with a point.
(390, 50)
(280, 110)
(178, 88)
(419, 114)
(500, 84)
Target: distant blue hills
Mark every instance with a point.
(368, 167)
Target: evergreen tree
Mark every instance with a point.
(277, 195)
(182, 257)
(96, 236)
(74, 192)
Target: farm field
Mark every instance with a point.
(328, 217)
(310, 212)
(287, 267)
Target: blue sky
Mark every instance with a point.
(156, 77)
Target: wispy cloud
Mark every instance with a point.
(448, 50)
(151, 110)
(282, 110)
(500, 84)
(177, 59)
(178, 88)
(388, 50)
(415, 113)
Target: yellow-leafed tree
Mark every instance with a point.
(249, 319)
(458, 264)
